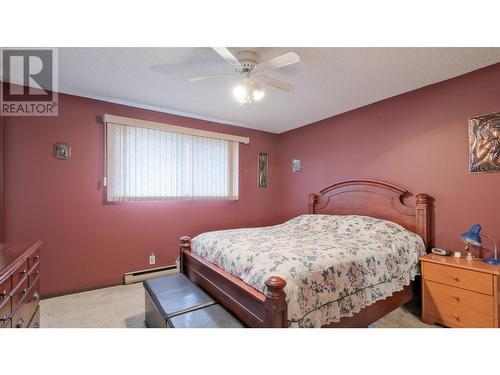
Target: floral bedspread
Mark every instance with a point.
(333, 265)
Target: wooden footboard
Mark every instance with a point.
(253, 308)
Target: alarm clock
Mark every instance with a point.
(441, 251)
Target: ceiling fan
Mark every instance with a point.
(251, 71)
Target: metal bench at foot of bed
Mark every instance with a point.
(173, 301)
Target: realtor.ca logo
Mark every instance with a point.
(29, 82)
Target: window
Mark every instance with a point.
(152, 161)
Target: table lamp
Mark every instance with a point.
(473, 237)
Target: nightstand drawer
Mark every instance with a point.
(453, 315)
(458, 277)
(461, 298)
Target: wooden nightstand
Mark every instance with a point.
(459, 293)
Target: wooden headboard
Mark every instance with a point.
(377, 199)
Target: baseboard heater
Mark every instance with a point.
(137, 276)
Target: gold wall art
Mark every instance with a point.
(484, 143)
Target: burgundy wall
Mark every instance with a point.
(417, 140)
(88, 244)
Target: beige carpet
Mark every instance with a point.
(114, 307)
(123, 306)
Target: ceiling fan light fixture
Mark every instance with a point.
(258, 93)
(248, 68)
(247, 91)
(240, 92)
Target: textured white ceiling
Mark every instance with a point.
(328, 81)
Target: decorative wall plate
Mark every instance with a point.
(62, 151)
(297, 164)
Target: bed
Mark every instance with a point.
(347, 263)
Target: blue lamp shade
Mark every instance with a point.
(472, 236)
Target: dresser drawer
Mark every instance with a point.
(461, 298)
(19, 273)
(24, 314)
(6, 325)
(35, 321)
(5, 288)
(33, 274)
(19, 293)
(34, 259)
(458, 277)
(4, 312)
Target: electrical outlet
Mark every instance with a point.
(152, 258)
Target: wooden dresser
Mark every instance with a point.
(20, 285)
(460, 293)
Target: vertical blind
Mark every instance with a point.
(152, 164)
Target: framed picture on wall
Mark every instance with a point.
(484, 143)
(297, 164)
(262, 170)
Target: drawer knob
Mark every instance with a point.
(24, 291)
(3, 318)
(3, 294)
(36, 296)
(457, 318)
(20, 323)
(24, 272)
(37, 257)
(456, 298)
(455, 278)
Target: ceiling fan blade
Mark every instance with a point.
(202, 78)
(227, 55)
(279, 62)
(277, 83)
